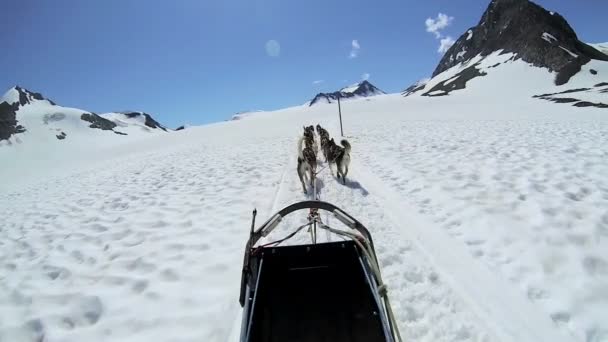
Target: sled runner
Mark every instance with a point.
(314, 292)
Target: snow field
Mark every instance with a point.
(148, 247)
(487, 207)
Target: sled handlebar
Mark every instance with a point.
(340, 214)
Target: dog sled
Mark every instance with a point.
(318, 291)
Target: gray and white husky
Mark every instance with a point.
(307, 164)
(339, 156)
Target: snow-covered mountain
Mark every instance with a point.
(26, 115)
(357, 90)
(141, 119)
(602, 47)
(521, 30)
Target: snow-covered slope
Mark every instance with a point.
(500, 72)
(357, 90)
(603, 47)
(244, 114)
(139, 119)
(487, 207)
(29, 118)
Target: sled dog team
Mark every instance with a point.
(334, 155)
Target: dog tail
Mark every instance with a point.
(300, 148)
(346, 146)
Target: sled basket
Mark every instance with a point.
(314, 292)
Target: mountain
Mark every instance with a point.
(415, 87)
(521, 30)
(26, 113)
(141, 119)
(361, 89)
(601, 47)
(537, 36)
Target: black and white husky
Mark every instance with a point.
(307, 164)
(324, 137)
(309, 139)
(339, 156)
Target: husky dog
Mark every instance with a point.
(321, 131)
(309, 139)
(340, 156)
(324, 136)
(307, 163)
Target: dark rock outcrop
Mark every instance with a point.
(590, 104)
(413, 88)
(8, 120)
(531, 33)
(459, 81)
(98, 122)
(362, 89)
(180, 128)
(554, 97)
(26, 96)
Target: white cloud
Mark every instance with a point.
(436, 25)
(445, 44)
(317, 82)
(355, 47)
(365, 76)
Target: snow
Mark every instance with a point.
(123, 121)
(423, 81)
(243, 115)
(548, 37)
(11, 96)
(446, 83)
(469, 34)
(602, 47)
(487, 208)
(461, 54)
(133, 125)
(351, 88)
(569, 52)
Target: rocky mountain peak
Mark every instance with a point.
(537, 36)
(360, 89)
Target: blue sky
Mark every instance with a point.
(193, 62)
